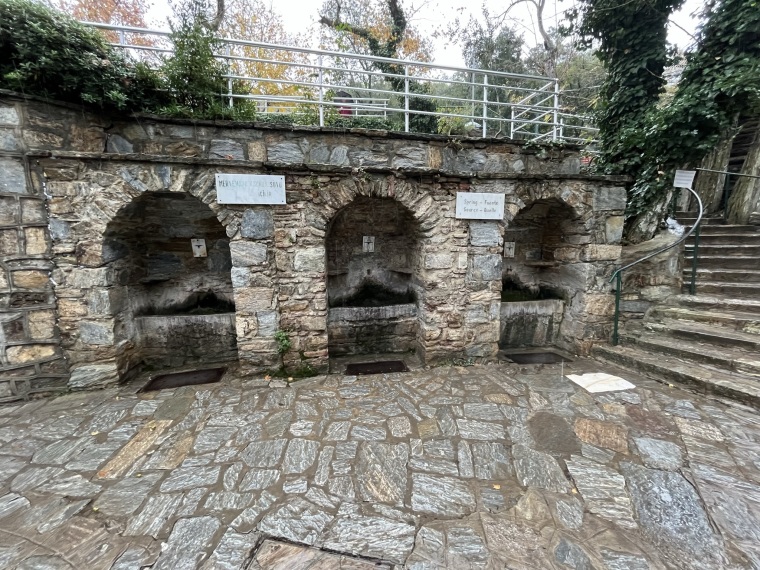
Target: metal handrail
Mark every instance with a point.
(618, 274)
(315, 73)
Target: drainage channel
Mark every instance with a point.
(274, 554)
(188, 378)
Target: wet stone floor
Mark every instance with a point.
(494, 466)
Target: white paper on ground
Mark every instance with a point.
(600, 382)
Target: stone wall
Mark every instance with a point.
(93, 168)
(651, 281)
(31, 359)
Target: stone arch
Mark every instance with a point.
(426, 210)
(547, 269)
(373, 287)
(92, 287)
(573, 198)
(420, 203)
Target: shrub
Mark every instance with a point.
(47, 53)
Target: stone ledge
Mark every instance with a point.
(315, 167)
(338, 314)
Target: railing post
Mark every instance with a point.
(321, 94)
(511, 122)
(229, 80)
(616, 321)
(485, 104)
(726, 191)
(694, 262)
(472, 95)
(556, 109)
(406, 98)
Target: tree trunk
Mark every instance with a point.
(744, 203)
(709, 185)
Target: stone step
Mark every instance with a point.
(747, 238)
(691, 218)
(741, 290)
(723, 275)
(724, 229)
(720, 357)
(732, 320)
(723, 262)
(716, 302)
(700, 377)
(714, 335)
(727, 250)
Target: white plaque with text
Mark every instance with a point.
(684, 178)
(250, 189)
(480, 206)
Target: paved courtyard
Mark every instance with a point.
(494, 466)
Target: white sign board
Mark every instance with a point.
(480, 206)
(199, 247)
(684, 178)
(250, 189)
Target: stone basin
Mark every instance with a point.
(530, 323)
(176, 340)
(365, 330)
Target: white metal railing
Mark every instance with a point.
(409, 95)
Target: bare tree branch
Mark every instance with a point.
(218, 17)
(549, 43)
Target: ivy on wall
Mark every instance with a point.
(644, 139)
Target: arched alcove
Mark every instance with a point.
(170, 257)
(373, 256)
(546, 238)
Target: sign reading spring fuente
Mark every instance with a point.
(480, 206)
(250, 189)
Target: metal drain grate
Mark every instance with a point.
(536, 357)
(189, 378)
(381, 367)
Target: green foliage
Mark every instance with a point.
(631, 40)
(44, 52)
(194, 76)
(453, 125)
(721, 81)
(308, 114)
(283, 342)
(580, 73)
(486, 45)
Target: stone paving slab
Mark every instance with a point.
(495, 466)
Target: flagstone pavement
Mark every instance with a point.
(490, 466)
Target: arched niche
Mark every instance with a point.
(373, 257)
(175, 299)
(545, 238)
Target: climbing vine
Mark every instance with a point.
(648, 140)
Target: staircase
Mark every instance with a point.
(709, 341)
(729, 258)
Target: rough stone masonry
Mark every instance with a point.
(82, 254)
